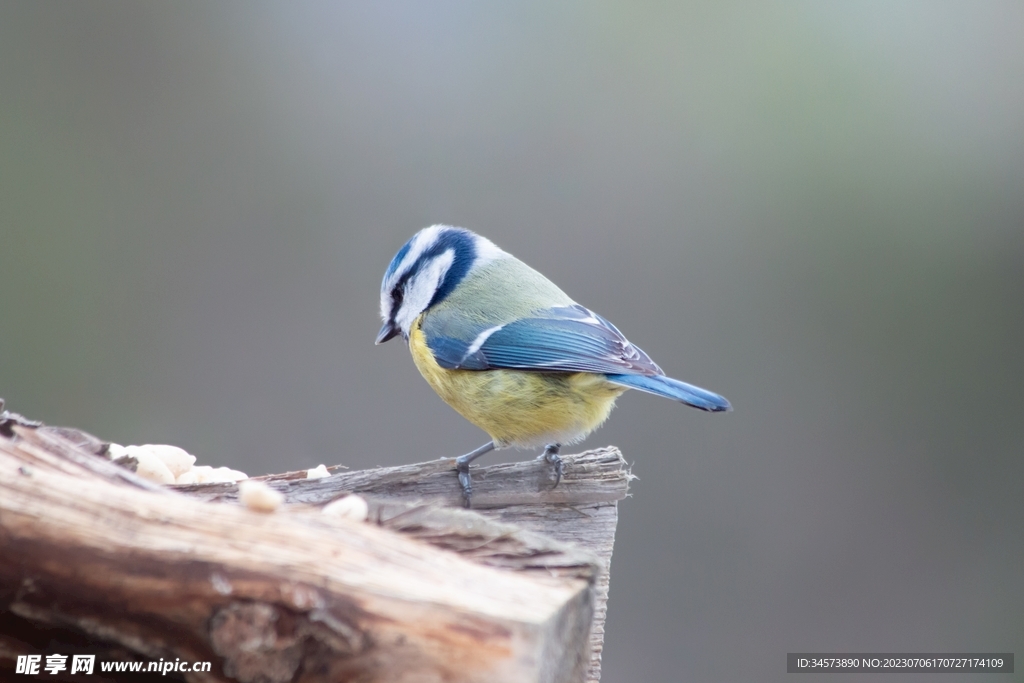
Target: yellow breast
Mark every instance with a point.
(518, 408)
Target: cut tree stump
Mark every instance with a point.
(98, 561)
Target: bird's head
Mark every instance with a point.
(426, 270)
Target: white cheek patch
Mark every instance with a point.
(421, 241)
(420, 289)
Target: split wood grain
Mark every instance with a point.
(582, 510)
(193, 578)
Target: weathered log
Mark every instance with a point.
(582, 510)
(297, 596)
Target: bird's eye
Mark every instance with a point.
(397, 295)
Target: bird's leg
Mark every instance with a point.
(550, 455)
(462, 467)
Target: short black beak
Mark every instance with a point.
(387, 332)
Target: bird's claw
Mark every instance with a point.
(556, 460)
(466, 481)
(550, 456)
(462, 467)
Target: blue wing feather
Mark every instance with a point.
(451, 353)
(560, 339)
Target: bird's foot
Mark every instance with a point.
(550, 455)
(465, 480)
(462, 467)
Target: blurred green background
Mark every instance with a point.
(816, 209)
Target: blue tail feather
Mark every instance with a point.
(673, 388)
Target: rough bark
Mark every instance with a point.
(513, 590)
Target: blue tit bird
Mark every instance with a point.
(509, 350)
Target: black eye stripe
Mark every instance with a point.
(460, 243)
(398, 291)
